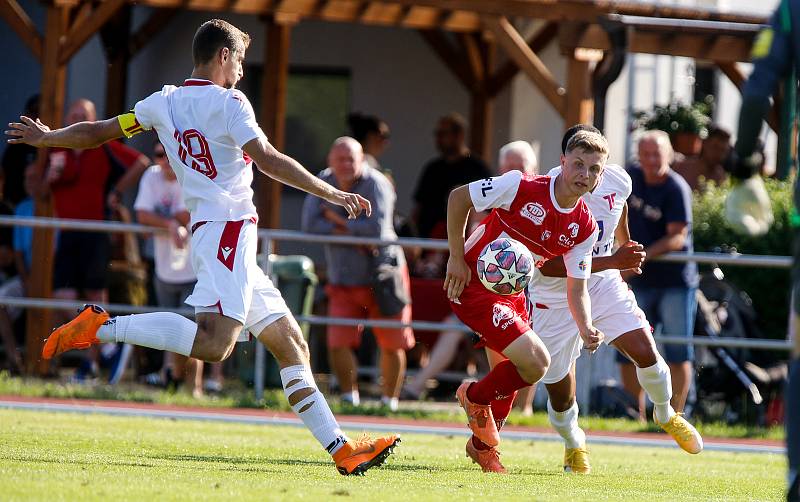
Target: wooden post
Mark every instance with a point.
(579, 102)
(275, 76)
(116, 35)
(480, 120)
(51, 111)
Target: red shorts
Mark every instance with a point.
(497, 319)
(359, 302)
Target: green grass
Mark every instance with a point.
(62, 456)
(241, 397)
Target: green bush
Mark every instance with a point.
(769, 288)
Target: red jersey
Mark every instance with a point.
(524, 208)
(80, 192)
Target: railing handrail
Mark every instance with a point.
(731, 342)
(436, 244)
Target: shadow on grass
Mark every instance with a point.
(44, 460)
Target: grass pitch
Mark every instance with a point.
(62, 456)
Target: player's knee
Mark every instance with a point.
(536, 365)
(213, 347)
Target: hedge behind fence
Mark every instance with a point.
(769, 288)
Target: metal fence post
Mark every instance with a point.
(258, 375)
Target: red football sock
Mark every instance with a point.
(501, 408)
(501, 382)
(477, 443)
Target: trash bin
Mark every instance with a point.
(295, 278)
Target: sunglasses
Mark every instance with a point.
(160, 155)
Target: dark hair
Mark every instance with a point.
(361, 125)
(215, 35)
(456, 121)
(574, 130)
(715, 131)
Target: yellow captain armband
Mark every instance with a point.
(129, 124)
(762, 43)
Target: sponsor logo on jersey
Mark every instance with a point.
(610, 199)
(565, 241)
(582, 265)
(534, 212)
(502, 315)
(573, 229)
(546, 235)
(226, 251)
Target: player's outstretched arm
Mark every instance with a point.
(628, 256)
(458, 272)
(288, 171)
(581, 310)
(81, 135)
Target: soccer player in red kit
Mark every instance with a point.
(549, 217)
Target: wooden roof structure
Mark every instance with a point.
(594, 36)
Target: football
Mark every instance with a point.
(505, 266)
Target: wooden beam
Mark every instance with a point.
(480, 123)
(51, 111)
(514, 45)
(462, 21)
(341, 10)
(382, 13)
(115, 35)
(83, 30)
(420, 17)
(580, 104)
(538, 42)
(274, 82)
(157, 21)
(738, 79)
(472, 50)
(707, 47)
(18, 20)
(454, 61)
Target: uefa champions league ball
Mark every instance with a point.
(505, 266)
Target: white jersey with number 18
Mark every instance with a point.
(203, 127)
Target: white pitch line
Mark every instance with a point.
(444, 430)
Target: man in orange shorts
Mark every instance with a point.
(351, 272)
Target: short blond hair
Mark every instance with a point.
(588, 141)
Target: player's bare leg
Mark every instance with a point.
(562, 409)
(284, 339)
(653, 374)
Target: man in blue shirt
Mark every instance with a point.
(660, 218)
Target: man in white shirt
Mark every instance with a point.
(210, 134)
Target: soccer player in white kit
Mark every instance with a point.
(614, 311)
(210, 134)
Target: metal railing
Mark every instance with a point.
(268, 238)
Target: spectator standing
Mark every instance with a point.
(351, 271)
(23, 257)
(82, 182)
(709, 166)
(517, 156)
(160, 204)
(373, 134)
(660, 218)
(15, 160)
(454, 167)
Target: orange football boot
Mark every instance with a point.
(356, 457)
(480, 418)
(488, 460)
(79, 333)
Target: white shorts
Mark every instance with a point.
(229, 280)
(614, 312)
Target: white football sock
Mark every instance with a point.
(656, 381)
(158, 330)
(392, 403)
(566, 424)
(313, 409)
(351, 397)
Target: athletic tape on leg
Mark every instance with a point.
(313, 410)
